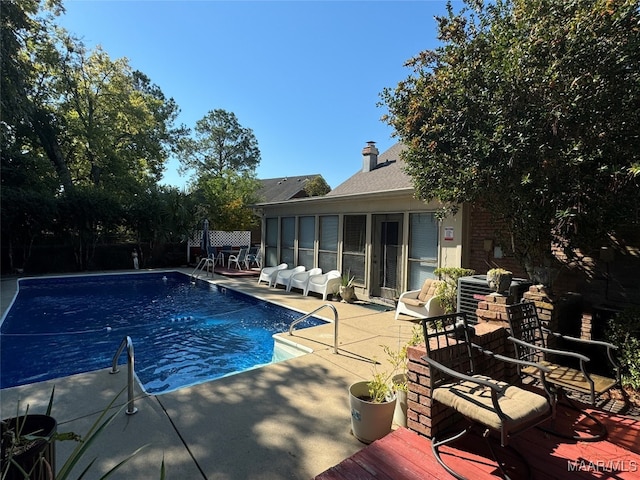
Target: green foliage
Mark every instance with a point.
(224, 156)
(226, 200)
(384, 383)
(317, 186)
(499, 279)
(83, 137)
(347, 279)
(159, 215)
(118, 124)
(400, 358)
(624, 332)
(220, 145)
(13, 442)
(447, 291)
(529, 108)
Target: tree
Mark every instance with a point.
(26, 51)
(221, 145)
(159, 215)
(82, 135)
(225, 201)
(119, 126)
(530, 109)
(224, 156)
(317, 186)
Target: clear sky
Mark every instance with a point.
(305, 76)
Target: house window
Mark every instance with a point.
(353, 254)
(287, 240)
(423, 248)
(271, 242)
(328, 248)
(306, 239)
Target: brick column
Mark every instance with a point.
(539, 295)
(493, 309)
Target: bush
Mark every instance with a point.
(448, 289)
(623, 330)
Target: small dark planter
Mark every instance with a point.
(34, 455)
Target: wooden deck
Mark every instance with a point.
(404, 455)
(234, 272)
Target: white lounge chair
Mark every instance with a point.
(324, 284)
(268, 274)
(300, 279)
(421, 303)
(284, 276)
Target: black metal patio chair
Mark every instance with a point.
(484, 402)
(531, 343)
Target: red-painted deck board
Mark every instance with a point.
(405, 455)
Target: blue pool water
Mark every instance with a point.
(183, 333)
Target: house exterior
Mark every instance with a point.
(371, 226)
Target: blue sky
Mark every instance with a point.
(305, 76)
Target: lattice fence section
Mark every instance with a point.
(218, 238)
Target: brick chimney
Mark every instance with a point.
(369, 157)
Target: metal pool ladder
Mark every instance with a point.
(126, 342)
(335, 323)
(202, 264)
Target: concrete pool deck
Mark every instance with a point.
(288, 420)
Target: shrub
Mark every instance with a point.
(448, 289)
(623, 330)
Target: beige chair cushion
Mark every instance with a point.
(428, 289)
(474, 402)
(413, 302)
(573, 379)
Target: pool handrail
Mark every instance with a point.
(204, 262)
(128, 343)
(335, 323)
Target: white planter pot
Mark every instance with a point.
(400, 412)
(369, 421)
(348, 294)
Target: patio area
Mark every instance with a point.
(285, 420)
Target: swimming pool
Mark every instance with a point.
(183, 333)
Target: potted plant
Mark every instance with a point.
(374, 403)
(28, 445)
(335, 295)
(347, 290)
(499, 280)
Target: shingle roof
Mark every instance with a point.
(283, 188)
(388, 175)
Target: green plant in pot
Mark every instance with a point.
(28, 445)
(372, 405)
(347, 290)
(374, 402)
(499, 279)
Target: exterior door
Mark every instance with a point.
(387, 253)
